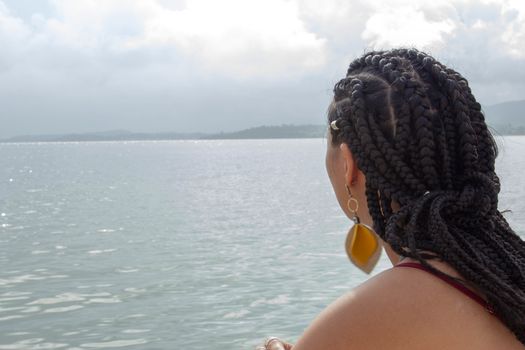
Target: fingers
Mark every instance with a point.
(273, 343)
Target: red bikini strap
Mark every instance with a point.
(452, 282)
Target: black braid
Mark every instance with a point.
(420, 138)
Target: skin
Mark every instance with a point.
(400, 308)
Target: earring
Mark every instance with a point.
(362, 246)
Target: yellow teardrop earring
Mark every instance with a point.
(362, 246)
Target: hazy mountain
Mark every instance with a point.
(261, 132)
(113, 135)
(274, 132)
(504, 113)
(506, 118)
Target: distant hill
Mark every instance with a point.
(506, 118)
(114, 135)
(261, 132)
(508, 112)
(274, 132)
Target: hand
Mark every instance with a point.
(273, 343)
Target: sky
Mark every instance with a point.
(71, 66)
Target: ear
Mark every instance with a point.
(350, 164)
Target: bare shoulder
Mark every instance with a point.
(406, 309)
(386, 312)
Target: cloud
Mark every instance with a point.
(261, 39)
(514, 34)
(243, 38)
(418, 24)
(13, 32)
(482, 39)
(272, 39)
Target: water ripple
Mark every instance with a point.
(115, 343)
(63, 309)
(32, 344)
(193, 255)
(60, 298)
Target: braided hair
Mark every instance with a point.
(420, 138)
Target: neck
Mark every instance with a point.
(393, 256)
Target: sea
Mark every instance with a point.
(191, 244)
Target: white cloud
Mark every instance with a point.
(97, 24)
(259, 39)
(13, 32)
(479, 24)
(401, 23)
(514, 34)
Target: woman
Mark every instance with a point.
(409, 154)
